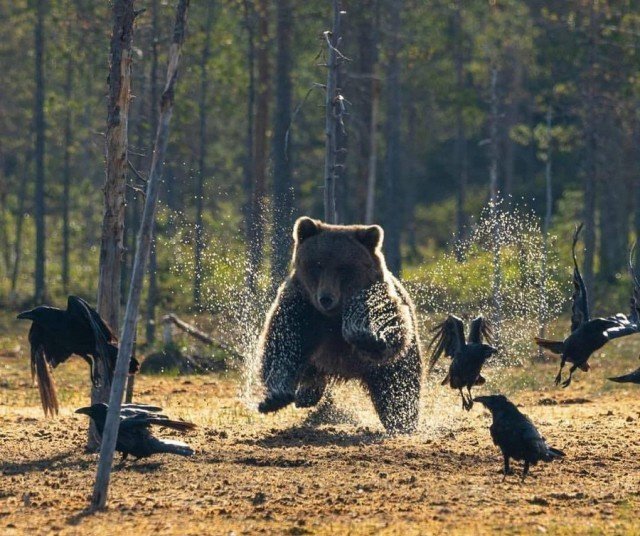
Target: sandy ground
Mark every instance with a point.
(272, 475)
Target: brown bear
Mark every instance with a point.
(341, 314)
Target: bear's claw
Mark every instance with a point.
(275, 402)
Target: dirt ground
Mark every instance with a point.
(273, 475)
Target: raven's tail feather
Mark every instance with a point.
(553, 453)
(181, 426)
(632, 377)
(170, 446)
(553, 346)
(46, 384)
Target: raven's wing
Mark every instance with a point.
(580, 307)
(80, 310)
(621, 327)
(480, 329)
(448, 339)
(634, 315)
(145, 420)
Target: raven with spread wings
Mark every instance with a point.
(467, 357)
(587, 334)
(632, 377)
(134, 432)
(56, 334)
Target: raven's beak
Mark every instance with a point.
(26, 315)
(481, 399)
(84, 411)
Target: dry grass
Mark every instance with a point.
(255, 474)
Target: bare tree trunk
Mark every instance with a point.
(393, 161)
(40, 127)
(17, 245)
(282, 182)
(460, 147)
(111, 246)
(260, 153)
(110, 434)
(331, 122)
(66, 173)
(372, 166)
(249, 21)
(494, 161)
(544, 316)
(204, 89)
(152, 293)
(591, 151)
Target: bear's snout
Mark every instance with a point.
(327, 302)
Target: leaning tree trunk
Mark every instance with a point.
(40, 126)
(111, 246)
(282, 186)
(110, 434)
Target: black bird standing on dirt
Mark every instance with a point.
(515, 435)
(467, 357)
(134, 434)
(56, 334)
(587, 335)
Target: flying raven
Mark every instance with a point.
(515, 435)
(632, 377)
(56, 334)
(467, 357)
(587, 334)
(134, 434)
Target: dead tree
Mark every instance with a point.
(40, 127)
(333, 110)
(545, 231)
(282, 182)
(152, 293)
(202, 103)
(109, 437)
(116, 140)
(493, 204)
(393, 159)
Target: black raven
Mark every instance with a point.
(632, 377)
(515, 435)
(56, 334)
(587, 334)
(134, 434)
(467, 357)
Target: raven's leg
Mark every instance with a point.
(525, 471)
(559, 376)
(470, 399)
(464, 400)
(507, 468)
(567, 382)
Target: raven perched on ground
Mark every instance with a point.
(587, 335)
(134, 434)
(56, 334)
(467, 357)
(515, 435)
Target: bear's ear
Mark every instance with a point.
(305, 228)
(371, 236)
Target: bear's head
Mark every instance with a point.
(333, 262)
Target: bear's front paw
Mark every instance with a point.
(274, 402)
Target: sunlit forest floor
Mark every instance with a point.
(273, 475)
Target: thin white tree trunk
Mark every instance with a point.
(110, 434)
